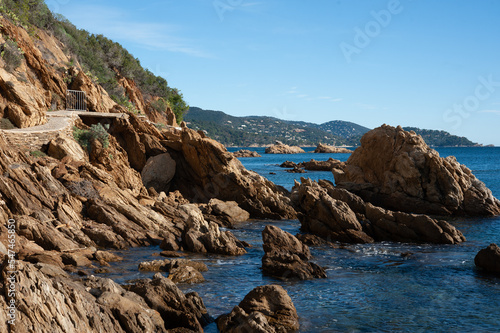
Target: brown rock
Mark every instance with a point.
(185, 274)
(286, 257)
(488, 259)
(63, 146)
(314, 165)
(264, 309)
(200, 236)
(98, 99)
(228, 210)
(280, 148)
(246, 153)
(326, 149)
(288, 164)
(158, 172)
(395, 169)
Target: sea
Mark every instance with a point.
(370, 287)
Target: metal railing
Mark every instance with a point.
(76, 100)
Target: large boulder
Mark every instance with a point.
(326, 149)
(338, 215)
(228, 212)
(158, 172)
(63, 146)
(488, 259)
(266, 309)
(396, 169)
(314, 165)
(286, 257)
(246, 153)
(281, 148)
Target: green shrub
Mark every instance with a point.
(11, 54)
(37, 153)
(96, 132)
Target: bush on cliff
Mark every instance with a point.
(96, 132)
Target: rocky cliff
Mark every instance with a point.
(396, 169)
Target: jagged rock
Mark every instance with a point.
(286, 257)
(288, 164)
(167, 265)
(265, 309)
(200, 236)
(314, 165)
(296, 169)
(246, 153)
(106, 256)
(338, 215)
(158, 172)
(185, 274)
(176, 309)
(326, 149)
(63, 146)
(206, 170)
(97, 98)
(280, 148)
(488, 259)
(228, 211)
(396, 169)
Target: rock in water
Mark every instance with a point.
(396, 169)
(246, 153)
(338, 215)
(326, 149)
(280, 148)
(286, 257)
(266, 309)
(489, 259)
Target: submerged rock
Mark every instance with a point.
(396, 169)
(287, 257)
(488, 259)
(266, 309)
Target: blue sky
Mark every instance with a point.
(423, 63)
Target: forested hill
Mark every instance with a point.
(260, 130)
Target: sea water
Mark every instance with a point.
(370, 287)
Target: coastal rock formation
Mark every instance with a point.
(286, 257)
(167, 265)
(326, 149)
(185, 274)
(97, 99)
(296, 169)
(176, 309)
(488, 259)
(314, 165)
(246, 153)
(281, 148)
(395, 169)
(266, 309)
(227, 212)
(62, 147)
(338, 215)
(201, 236)
(206, 170)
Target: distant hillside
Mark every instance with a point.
(257, 130)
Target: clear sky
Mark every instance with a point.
(424, 63)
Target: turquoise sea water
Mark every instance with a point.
(370, 288)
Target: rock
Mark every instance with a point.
(335, 214)
(200, 236)
(158, 172)
(288, 164)
(326, 149)
(280, 148)
(265, 309)
(246, 153)
(206, 170)
(296, 170)
(396, 169)
(314, 165)
(107, 256)
(176, 309)
(97, 98)
(228, 210)
(63, 146)
(185, 274)
(167, 265)
(75, 259)
(488, 259)
(286, 257)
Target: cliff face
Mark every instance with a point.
(36, 72)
